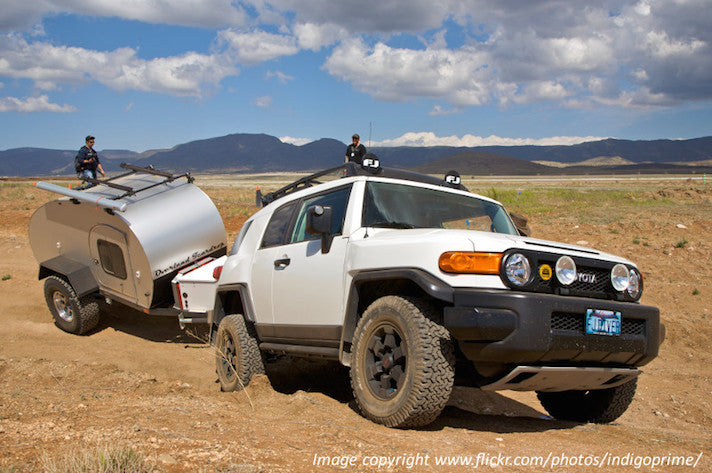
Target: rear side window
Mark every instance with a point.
(112, 258)
(278, 225)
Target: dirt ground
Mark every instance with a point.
(143, 383)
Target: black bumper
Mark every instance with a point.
(518, 327)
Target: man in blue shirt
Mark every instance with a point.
(87, 161)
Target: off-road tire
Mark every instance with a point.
(403, 364)
(599, 406)
(71, 313)
(237, 354)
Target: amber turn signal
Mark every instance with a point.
(469, 262)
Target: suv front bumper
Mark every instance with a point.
(522, 327)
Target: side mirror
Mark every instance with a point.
(319, 223)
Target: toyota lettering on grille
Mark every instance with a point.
(589, 278)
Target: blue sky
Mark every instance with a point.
(156, 73)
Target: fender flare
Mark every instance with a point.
(431, 285)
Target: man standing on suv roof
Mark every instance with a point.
(355, 151)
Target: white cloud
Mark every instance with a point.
(203, 13)
(438, 110)
(33, 104)
(257, 46)
(121, 69)
(262, 102)
(395, 74)
(315, 36)
(295, 141)
(431, 139)
(280, 76)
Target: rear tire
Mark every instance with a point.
(237, 357)
(599, 406)
(71, 313)
(403, 367)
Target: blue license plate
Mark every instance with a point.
(603, 322)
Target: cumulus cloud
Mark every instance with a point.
(257, 46)
(33, 104)
(204, 13)
(184, 75)
(397, 74)
(633, 53)
(431, 139)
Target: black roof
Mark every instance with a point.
(451, 179)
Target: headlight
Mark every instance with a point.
(517, 269)
(620, 277)
(566, 270)
(635, 284)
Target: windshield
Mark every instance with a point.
(392, 205)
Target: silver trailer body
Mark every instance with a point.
(126, 237)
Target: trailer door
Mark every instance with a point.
(111, 263)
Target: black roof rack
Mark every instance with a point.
(452, 179)
(128, 191)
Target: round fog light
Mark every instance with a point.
(620, 276)
(566, 270)
(518, 269)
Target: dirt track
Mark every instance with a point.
(145, 384)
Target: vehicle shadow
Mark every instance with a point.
(468, 408)
(149, 327)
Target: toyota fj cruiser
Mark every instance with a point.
(418, 285)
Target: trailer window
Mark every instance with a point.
(112, 258)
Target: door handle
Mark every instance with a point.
(282, 262)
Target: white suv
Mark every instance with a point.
(417, 285)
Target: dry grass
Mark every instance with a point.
(97, 460)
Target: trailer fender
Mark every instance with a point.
(78, 274)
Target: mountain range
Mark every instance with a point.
(251, 153)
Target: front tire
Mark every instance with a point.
(403, 367)
(237, 357)
(600, 406)
(71, 313)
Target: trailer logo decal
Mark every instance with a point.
(188, 260)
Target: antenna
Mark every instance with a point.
(370, 129)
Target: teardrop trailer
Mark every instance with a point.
(124, 240)
(411, 281)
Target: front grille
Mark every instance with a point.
(567, 322)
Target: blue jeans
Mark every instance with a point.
(85, 174)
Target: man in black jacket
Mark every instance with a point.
(87, 161)
(355, 151)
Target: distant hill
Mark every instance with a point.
(479, 164)
(241, 153)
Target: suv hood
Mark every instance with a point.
(463, 240)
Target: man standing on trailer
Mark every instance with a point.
(87, 161)
(355, 151)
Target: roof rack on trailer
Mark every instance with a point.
(128, 191)
(370, 167)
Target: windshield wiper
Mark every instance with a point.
(401, 225)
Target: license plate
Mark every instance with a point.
(603, 322)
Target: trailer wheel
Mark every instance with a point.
(403, 367)
(71, 313)
(237, 356)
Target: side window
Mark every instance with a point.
(112, 258)
(278, 225)
(337, 200)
